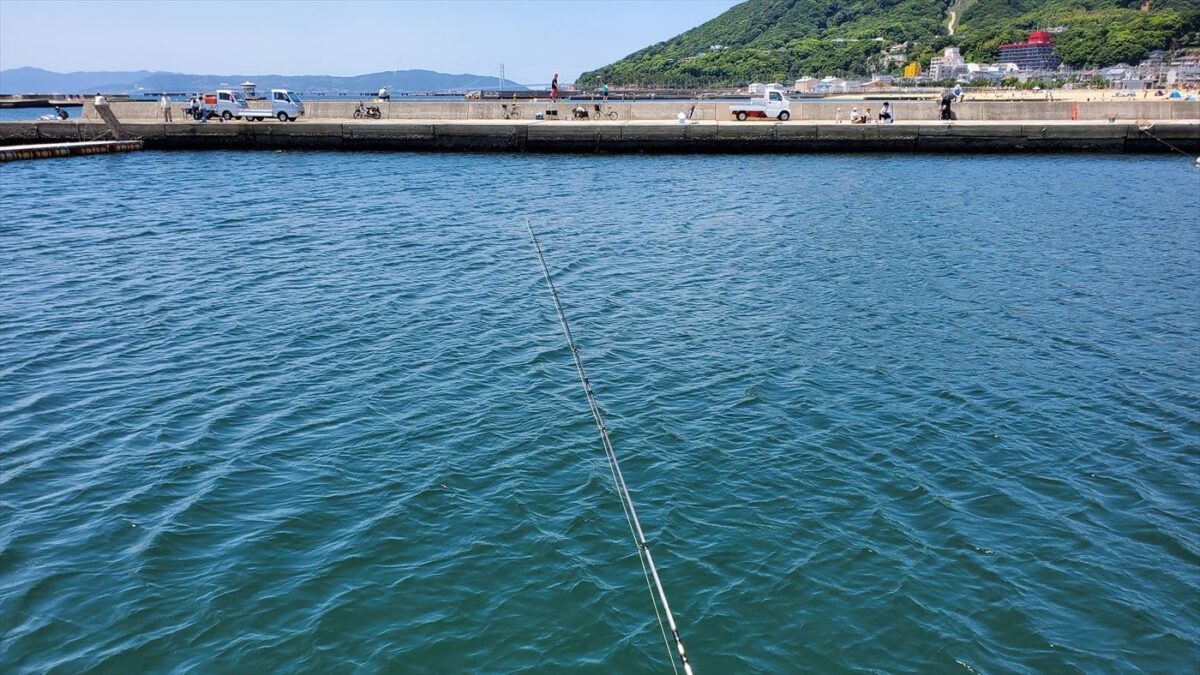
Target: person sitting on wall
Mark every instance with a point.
(384, 94)
(885, 113)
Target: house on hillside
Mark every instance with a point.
(1186, 65)
(896, 55)
(804, 84)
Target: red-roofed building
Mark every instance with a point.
(1036, 53)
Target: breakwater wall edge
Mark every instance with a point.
(711, 110)
(631, 137)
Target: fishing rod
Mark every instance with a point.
(635, 526)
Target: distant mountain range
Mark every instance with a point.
(36, 80)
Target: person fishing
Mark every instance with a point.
(947, 98)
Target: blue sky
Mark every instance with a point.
(534, 39)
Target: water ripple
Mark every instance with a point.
(311, 412)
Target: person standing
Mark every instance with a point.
(947, 98)
(604, 91)
(554, 89)
(165, 104)
(838, 117)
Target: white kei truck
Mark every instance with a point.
(286, 106)
(772, 104)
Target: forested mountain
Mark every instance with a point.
(764, 40)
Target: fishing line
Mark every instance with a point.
(635, 527)
(1145, 128)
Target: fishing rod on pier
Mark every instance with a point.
(635, 526)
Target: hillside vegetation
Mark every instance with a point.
(765, 40)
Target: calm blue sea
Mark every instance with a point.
(31, 114)
(307, 412)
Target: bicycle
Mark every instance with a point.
(365, 110)
(510, 112)
(598, 114)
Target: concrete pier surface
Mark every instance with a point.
(341, 110)
(655, 136)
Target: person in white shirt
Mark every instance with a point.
(165, 104)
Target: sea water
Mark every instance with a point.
(313, 412)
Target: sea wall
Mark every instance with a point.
(632, 137)
(710, 110)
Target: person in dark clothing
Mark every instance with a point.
(554, 89)
(947, 98)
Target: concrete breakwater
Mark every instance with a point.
(633, 137)
(993, 111)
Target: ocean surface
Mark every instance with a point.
(32, 114)
(308, 412)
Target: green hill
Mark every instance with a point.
(766, 40)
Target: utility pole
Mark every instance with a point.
(500, 86)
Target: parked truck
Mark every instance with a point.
(772, 104)
(229, 104)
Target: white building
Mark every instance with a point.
(831, 85)
(989, 71)
(949, 64)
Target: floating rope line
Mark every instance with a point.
(635, 527)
